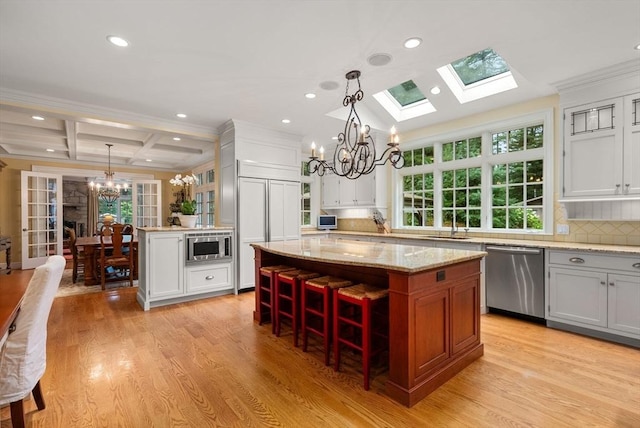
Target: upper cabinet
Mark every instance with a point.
(341, 192)
(602, 149)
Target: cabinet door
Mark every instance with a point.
(365, 190)
(166, 265)
(330, 191)
(593, 149)
(432, 314)
(465, 326)
(347, 189)
(284, 210)
(208, 278)
(578, 295)
(624, 303)
(631, 182)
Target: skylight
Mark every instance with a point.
(404, 101)
(478, 75)
(479, 66)
(406, 93)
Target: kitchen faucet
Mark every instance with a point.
(454, 228)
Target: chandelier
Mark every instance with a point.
(108, 192)
(355, 153)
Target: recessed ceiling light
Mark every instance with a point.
(286, 121)
(37, 117)
(118, 41)
(181, 115)
(176, 138)
(413, 42)
(329, 85)
(435, 90)
(310, 95)
(638, 47)
(379, 59)
(148, 160)
(50, 150)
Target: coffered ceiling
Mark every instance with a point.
(255, 60)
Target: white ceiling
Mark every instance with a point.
(254, 60)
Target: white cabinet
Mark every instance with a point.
(208, 277)
(595, 291)
(578, 295)
(330, 191)
(602, 149)
(164, 278)
(341, 192)
(165, 265)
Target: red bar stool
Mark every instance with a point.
(317, 307)
(361, 321)
(266, 289)
(287, 294)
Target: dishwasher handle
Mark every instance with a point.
(514, 250)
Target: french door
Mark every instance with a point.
(147, 203)
(41, 217)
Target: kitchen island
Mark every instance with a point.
(434, 302)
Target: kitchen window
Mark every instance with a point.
(497, 178)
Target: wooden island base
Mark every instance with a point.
(434, 314)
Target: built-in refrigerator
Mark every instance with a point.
(268, 210)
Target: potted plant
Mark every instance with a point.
(188, 206)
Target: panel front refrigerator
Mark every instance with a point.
(268, 210)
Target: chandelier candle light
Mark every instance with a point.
(355, 153)
(109, 192)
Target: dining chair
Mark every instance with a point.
(116, 257)
(23, 357)
(77, 255)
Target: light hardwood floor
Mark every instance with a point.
(206, 363)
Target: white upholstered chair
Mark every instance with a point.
(23, 356)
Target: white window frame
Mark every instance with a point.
(203, 189)
(486, 160)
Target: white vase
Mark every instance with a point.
(188, 220)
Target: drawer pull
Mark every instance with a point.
(603, 283)
(209, 277)
(636, 265)
(576, 260)
(612, 284)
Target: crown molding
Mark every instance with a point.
(628, 69)
(74, 110)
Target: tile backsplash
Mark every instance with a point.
(590, 232)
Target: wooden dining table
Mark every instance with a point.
(91, 246)
(11, 295)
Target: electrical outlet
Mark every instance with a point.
(562, 229)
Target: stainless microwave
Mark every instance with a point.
(203, 247)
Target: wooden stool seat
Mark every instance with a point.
(287, 300)
(360, 315)
(265, 292)
(317, 294)
(364, 291)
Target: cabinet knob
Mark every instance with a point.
(209, 277)
(576, 260)
(603, 283)
(611, 284)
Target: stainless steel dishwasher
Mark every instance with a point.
(515, 281)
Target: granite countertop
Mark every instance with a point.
(577, 246)
(184, 229)
(404, 258)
